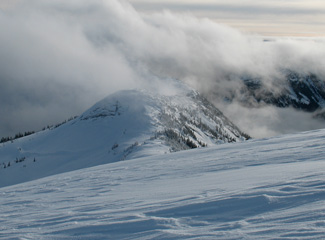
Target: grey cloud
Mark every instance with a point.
(63, 56)
(49, 70)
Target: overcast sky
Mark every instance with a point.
(58, 57)
(266, 17)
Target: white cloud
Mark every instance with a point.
(270, 121)
(63, 56)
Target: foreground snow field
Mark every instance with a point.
(259, 189)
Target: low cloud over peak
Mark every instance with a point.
(59, 57)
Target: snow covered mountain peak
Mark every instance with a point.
(183, 119)
(125, 125)
(154, 95)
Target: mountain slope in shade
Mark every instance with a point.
(304, 92)
(259, 189)
(125, 125)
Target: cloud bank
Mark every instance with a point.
(60, 57)
(266, 17)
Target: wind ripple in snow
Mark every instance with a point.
(271, 188)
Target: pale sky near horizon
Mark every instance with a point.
(302, 18)
(297, 18)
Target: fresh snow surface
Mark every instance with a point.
(258, 189)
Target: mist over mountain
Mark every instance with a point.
(58, 58)
(305, 92)
(296, 104)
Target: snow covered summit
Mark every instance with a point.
(125, 125)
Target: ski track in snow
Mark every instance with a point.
(259, 189)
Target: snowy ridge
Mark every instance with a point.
(258, 189)
(125, 125)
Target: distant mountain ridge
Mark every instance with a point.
(125, 125)
(305, 92)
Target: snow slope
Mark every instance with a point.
(125, 125)
(258, 189)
